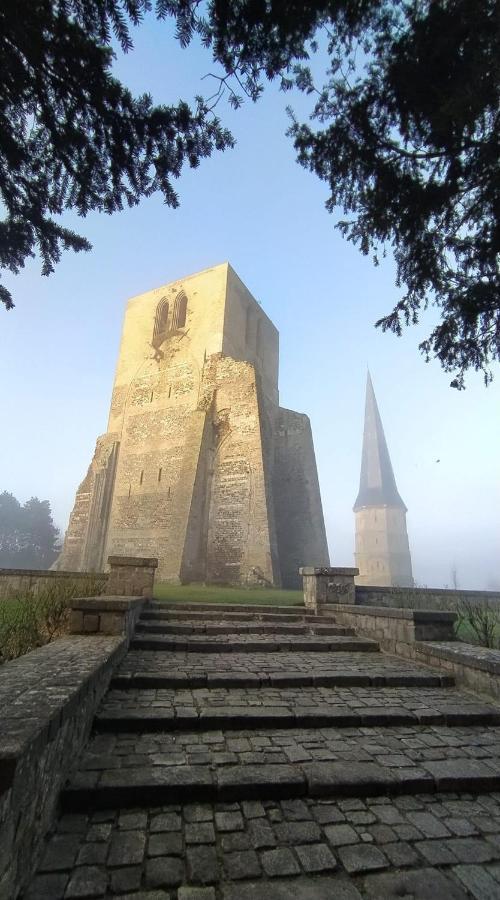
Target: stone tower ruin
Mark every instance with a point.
(200, 466)
(382, 552)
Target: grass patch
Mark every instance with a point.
(210, 593)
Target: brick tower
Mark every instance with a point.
(382, 552)
(200, 466)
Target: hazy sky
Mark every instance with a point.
(254, 207)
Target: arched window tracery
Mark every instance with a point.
(180, 310)
(160, 329)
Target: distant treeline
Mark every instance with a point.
(28, 537)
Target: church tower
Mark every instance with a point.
(200, 466)
(382, 551)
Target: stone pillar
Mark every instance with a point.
(131, 576)
(105, 615)
(325, 586)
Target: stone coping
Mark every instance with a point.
(470, 655)
(389, 612)
(137, 561)
(51, 573)
(444, 592)
(106, 603)
(327, 570)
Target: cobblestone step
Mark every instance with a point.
(388, 746)
(237, 643)
(209, 615)
(157, 785)
(254, 609)
(257, 761)
(179, 627)
(299, 668)
(208, 708)
(417, 846)
(152, 679)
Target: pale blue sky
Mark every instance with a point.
(256, 208)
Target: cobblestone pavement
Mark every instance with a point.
(444, 844)
(275, 765)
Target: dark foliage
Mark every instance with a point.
(71, 135)
(405, 132)
(28, 536)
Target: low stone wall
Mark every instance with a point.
(477, 668)
(421, 598)
(395, 629)
(22, 581)
(48, 699)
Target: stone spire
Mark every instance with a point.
(377, 485)
(382, 550)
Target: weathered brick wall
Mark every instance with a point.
(21, 581)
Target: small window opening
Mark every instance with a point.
(151, 398)
(129, 489)
(142, 477)
(159, 475)
(168, 495)
(170, 391)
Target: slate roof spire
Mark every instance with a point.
(377, 485)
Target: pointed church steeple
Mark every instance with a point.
(377, 485)
(382, 551)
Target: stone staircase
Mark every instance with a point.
(251, 752)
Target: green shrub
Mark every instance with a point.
(480, 621)
(35, 618)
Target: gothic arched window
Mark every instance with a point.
(161, 322)
(180, 309)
